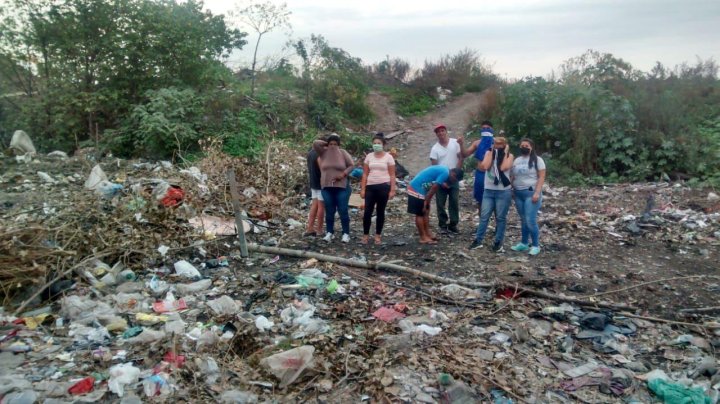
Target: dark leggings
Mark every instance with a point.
(376, 194)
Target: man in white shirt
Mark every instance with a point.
(447, 152)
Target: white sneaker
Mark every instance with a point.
(328, 237)
(345, 238)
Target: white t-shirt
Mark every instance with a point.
(525, 177)
(446, 156)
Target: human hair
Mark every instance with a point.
(486, 123)
(459, 173)
(500, 140)
(532, 160)
(381, 137)
(333, 137)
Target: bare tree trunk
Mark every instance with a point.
(252, 85)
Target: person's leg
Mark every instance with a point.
(454, 206)
(382, 194)
(312, 217)
(429, 237)
(531, 211)
(370, 201)
(488, 206)
(479, 189)
(502, 205)
(441, 196)
(320, 215)
(520, 200)
(330, 198)
(342, 207)
(420, 225)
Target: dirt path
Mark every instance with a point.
(414, 147)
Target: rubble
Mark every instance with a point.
(148, 300)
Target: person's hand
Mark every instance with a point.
(392, 194)
(535, 197)
(460, 140)
(362, 206)
(362, 193)
(340, 178)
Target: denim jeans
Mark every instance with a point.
(497, 201)
(527, 210)
(336, 200)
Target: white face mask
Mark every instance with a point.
(377, 147)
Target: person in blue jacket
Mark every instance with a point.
(478, 149)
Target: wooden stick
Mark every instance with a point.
(402, 269)
(647, 283)
(661, 320)
(701, 309)
(238, 213)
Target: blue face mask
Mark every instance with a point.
(377, 147)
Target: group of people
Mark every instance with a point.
(500, 177)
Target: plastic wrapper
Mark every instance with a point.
(224, 306)
(288, 366)
(186, 269)
(147, 336)
(194, 287)
(121, 376)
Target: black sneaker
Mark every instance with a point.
(453, 230)
(443, 230)
(475, 245)
(498, 248)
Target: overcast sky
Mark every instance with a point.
(517, 37)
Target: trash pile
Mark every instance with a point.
(123, 281)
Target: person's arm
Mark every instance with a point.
(507, 162)
(391, 171)
(459, 153)
(539, 185)
(363, 182)
(467, 152)
(487, 161)
(320, 146)
(429, 196)
(433, 157)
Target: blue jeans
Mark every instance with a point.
(497, 201)
(527, 210)
(336, 200)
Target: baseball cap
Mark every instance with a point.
(438, 126)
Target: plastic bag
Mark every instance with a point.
(671, 392)
(97, 175)
(122, 375)
(431, 331)
(186, 269)
(194, 287)
(175, 324)
(169, 304)
(309, 281)
(297, 312)
(156, 385)
(287, 366)
(311, 326)
(209, 368)
(84, 386)
(238, 397)
(263, 324)
(147, 336)
(223, 306)
(21, 143)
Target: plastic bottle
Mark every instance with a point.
(126, 275)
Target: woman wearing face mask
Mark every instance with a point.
(335, 166)
(377, 186)
(497, 195)
(528, 177)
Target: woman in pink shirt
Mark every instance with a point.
(378, 186)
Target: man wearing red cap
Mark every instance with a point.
(447, 152)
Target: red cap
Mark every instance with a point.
(438, 126)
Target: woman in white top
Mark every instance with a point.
(377, 187)
(497, 195)
(528, 177)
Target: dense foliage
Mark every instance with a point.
(602, 117)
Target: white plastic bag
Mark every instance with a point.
(186, 269)
(238, 397)
(223, 306)
(21, 143)
(287, 366)
(97, 176)
(263, 324)
(195, 287)
(122, 375)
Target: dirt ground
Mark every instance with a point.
(652, 246)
